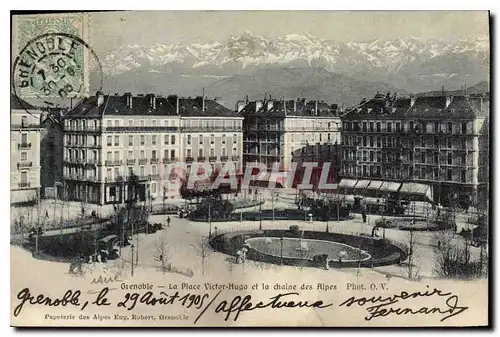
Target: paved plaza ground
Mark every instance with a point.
(184, 238)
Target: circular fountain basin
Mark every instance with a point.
(306, 248)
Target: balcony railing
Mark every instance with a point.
(235, 158)
(92, 161)
(211, 128)
(92, 146)
(170, 160)
(154, 177)
(224, 158)
(141, 128)
(24, 164)
(154, 160)
(143, 161)
(24, 184)
(130, 161)
(83, 129)
(189, 159)
(24, 146)
(201, 159)
(25, 126)
(70, 176)
(212, 158)
(113, 162)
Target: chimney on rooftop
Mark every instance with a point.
(203, 101)
(177, 104)
(152, 101)
(412, 101)
(240, 105)
(258, 105)
(294, 106)
(270, 104)
(448, 101)
(100, 98)
(316, 107)
(246, 99)
(128, 98)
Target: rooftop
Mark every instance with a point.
(282, 108)
(381, 106)
(150, 104)
(427, 107)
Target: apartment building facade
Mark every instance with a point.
(284, 132)
(25, 132)
(435, 140)
(110, 138)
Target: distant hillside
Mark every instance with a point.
(291, 83)
(482, 87)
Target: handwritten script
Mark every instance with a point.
(230, 309)
(382, 306)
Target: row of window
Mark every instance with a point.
(431, 142)
(423, 127)
(82, 124)
(212, 139)
(113, 173)
(115, 140)
(383, 157)
(168, 153)
(456, 175)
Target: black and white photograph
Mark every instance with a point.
(250, 169)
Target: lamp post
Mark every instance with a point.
(327, 215)
(164, 212)
(209, 220)
(36, 240)
(281, 250)
(260, 212)
(132, 259)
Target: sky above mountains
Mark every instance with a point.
(111, 30)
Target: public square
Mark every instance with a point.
(184, 243)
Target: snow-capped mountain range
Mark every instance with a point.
(246, 51)
(295, 64)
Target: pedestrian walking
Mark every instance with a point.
(168, 221)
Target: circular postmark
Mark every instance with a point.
(55, 68)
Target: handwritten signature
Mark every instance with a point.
(382, 306)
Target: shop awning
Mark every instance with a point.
(349, 183)
(414, 188)
(329, 187)
(417, 189)
(375, 184)
(23, 196)
(362, 184)
(390, 186)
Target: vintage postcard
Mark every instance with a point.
(250, 168)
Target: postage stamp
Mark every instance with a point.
(52, 66)
(45, 46)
